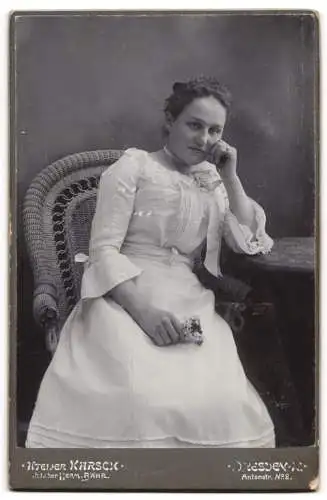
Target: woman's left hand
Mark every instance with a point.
(224, 157)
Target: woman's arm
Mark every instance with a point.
(239, 203)
(244, 220)
(161, 326)
(224, 157)
(107, 266)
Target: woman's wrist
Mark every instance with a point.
(240, 204)
(233, 185)
(230, 179)
(126, 296)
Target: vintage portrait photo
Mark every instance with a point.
(165, 175)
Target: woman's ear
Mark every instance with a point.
(167, 124)
(168, 121)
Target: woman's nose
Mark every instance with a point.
(202, 138)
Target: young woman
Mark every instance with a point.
(124, 373)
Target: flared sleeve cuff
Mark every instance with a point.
(102, 275)
(241, 239)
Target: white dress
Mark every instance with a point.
(108, 385)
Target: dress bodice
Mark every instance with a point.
(169, 210)
(146, 208)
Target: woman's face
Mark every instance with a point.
(196, 129)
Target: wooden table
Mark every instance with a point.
(290, 255)
(286, 278)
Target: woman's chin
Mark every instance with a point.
(187, 158)
(195, 160)
(196, 156)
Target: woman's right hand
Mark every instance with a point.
(161, 326)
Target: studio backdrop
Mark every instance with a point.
(99, 82)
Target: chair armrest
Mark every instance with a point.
(231, 296)
(51, 335)
(226, 288)
(232, 312)
(232, 289)
(46, 314)
(45, 303)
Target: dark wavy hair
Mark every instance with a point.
(185, 92)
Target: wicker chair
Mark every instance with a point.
(57, 214)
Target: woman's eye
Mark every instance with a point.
(215, 131)
(194, 125)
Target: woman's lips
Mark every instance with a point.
(197, 150)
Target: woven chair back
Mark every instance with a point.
(58, 211)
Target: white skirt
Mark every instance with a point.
(109, 386)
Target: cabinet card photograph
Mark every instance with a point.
(164, 252)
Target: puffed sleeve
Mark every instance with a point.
(106, 267)
(243, 239)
